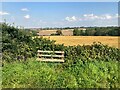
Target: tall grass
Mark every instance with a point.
(34, 74)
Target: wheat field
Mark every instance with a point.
(85, 40)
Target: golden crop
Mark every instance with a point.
(85, 40)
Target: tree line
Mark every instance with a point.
(97, 31)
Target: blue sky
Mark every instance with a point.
(60, 14)
(60, 0)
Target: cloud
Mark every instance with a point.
(90, 16)
(4, 13)
(24, 9)
(71, 19)
(108, 16)
(27, 16)
(100, 17)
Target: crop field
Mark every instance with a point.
(85, 40)
(65, 32)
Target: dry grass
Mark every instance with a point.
(86, 40)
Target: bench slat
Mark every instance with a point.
(51, 60)
(50, 51)
(51, 55)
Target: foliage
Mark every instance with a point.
(18, 43)
(98, 31)
(96, 51)
(58, 32)
(88, 74)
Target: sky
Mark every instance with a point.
(60, 0)
(60, 14)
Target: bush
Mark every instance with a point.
(58, 32)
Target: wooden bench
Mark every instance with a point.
(50, 56)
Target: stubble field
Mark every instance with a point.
(85, 40)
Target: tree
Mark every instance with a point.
(76, 32)
(58, 32)
(16, 42)
(90, 32)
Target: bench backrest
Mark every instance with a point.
(52, 56)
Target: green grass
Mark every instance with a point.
(33, 74)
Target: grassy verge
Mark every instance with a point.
(88, 74)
